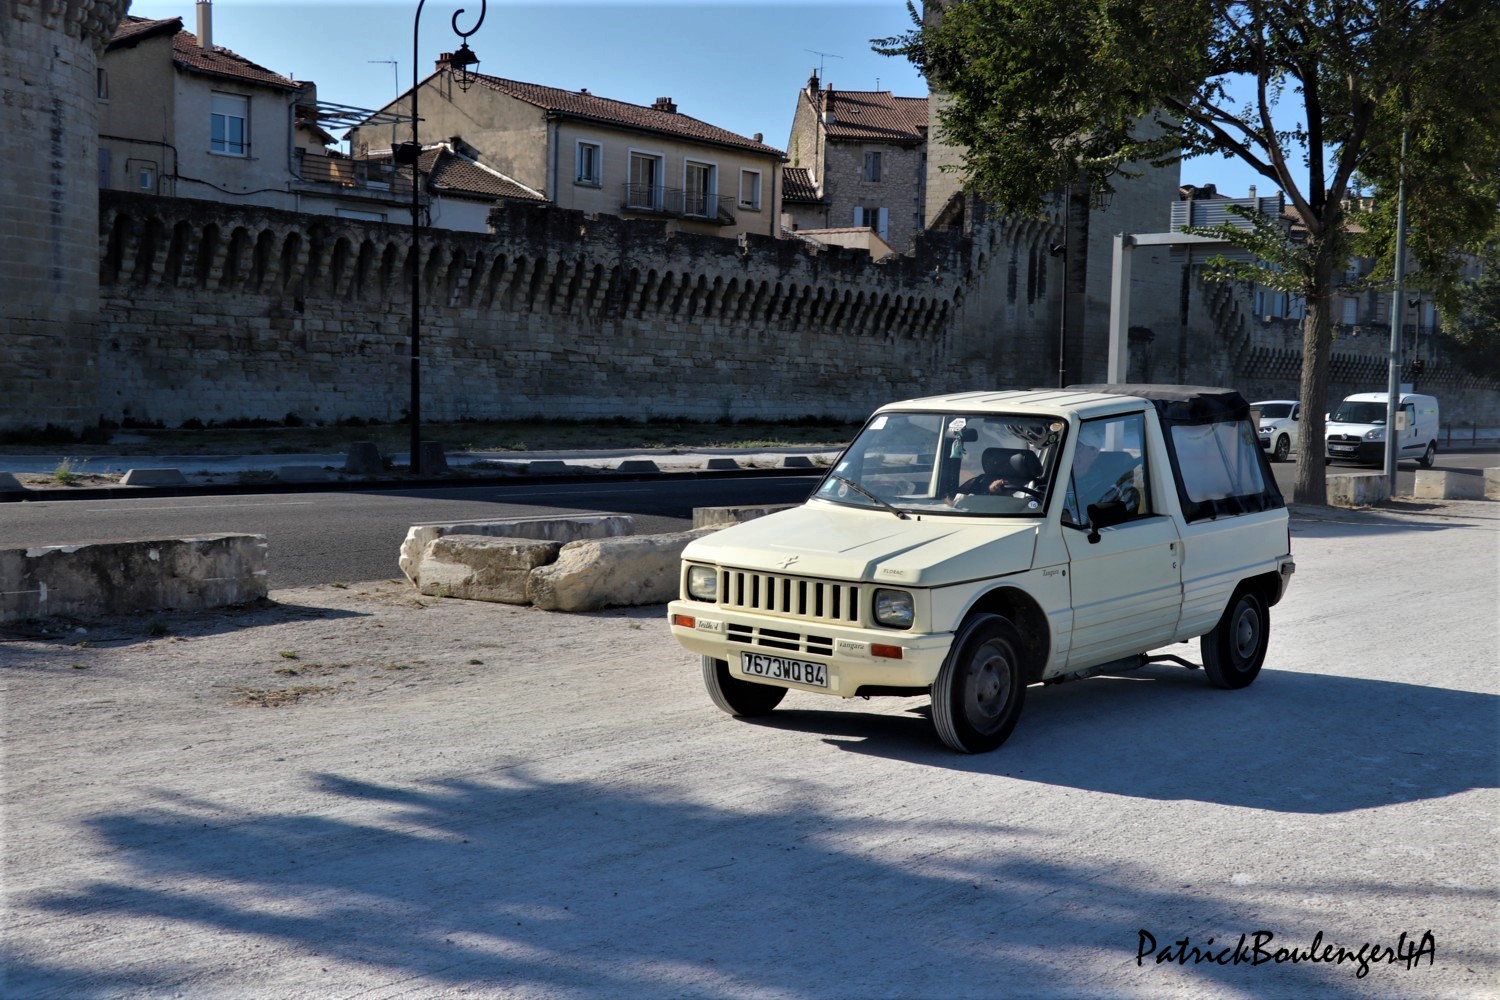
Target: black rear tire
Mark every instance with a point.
(737, 697)
(1236, 648)
(981, 687)
(1428, 456)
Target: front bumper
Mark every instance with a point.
(1363, 452)
(846, 651)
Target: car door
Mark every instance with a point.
(1126, 579)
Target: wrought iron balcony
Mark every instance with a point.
(679, 203)
(362, 175)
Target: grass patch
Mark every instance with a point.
(279, 697)
(157, 626)
(66, 474)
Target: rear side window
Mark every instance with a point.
(1220, 468)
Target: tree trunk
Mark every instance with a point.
(1317, 347)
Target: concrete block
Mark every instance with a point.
(551, 529)
(1357, 489)
(719, 517)
(130, 577)
(607, 572)
(637, 465)
(549, 466)
(363, 459)
(1492, 484)
(480, 568)
(796, 462)
(10, 484)
(1442, 484)
(721, 463)
(153, 477)
(303, 474)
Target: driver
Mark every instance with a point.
(1000, 475)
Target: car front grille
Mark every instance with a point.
(769, 638)
(795, 597)
(1344, 438)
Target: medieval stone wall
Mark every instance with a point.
(220, 312)
(49, 303)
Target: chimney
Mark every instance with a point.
(665, 104)
(759, 137)
(1253, 203)
(206, 25)
(443, 59)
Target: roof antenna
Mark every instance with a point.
(821, 56)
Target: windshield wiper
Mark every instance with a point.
(866, 493)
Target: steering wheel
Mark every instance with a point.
(1034, 494)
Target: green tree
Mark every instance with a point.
(1474, 324)
(1049, 91)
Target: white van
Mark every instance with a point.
(1356, 429)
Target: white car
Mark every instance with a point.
(1279, 421)
(967, 546)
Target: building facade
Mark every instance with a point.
(598, 155)
(865, 154)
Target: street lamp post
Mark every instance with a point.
(462, 64)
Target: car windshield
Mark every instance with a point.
(1274, 411)
(1352, 412)
(982, 464)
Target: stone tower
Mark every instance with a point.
(49, 209)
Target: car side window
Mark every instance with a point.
(1109, 464)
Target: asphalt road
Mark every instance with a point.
(355, 535)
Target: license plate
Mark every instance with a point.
(780, 668)
(1341, 447)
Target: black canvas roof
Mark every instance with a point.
(1186, 404)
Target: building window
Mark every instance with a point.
(750, 189)
(644, 188)
(145, 178)
(590, 160)
(228, 120)
(101, 83)
(872, 166)
(699, 183)
(878, 219)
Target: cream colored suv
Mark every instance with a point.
(967, 546)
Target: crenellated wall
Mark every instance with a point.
(215, 312)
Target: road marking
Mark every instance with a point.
(199, 506)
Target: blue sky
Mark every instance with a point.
(737, 65)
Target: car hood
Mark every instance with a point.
(841, 543)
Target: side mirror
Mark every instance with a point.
(1106, 515)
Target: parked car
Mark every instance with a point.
(1279, 421)
(967, 546)
(1356, 429)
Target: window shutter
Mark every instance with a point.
(883, 222)
(859, 216)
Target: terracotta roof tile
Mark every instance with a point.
(581, 104)
(873, 116)
(188, 54)
(449, 173)
(133, 29)
(797, 186)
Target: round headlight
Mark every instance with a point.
(893, 608)
(703, 583)
(1378, 434)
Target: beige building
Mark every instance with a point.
(598, 155)
(865, 157)
(180, 116)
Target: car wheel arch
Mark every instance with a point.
(1027, 615)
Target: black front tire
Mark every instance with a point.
(737, 697)
(1236, 648)
(981, 687)
(1283, 449)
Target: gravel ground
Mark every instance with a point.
(358, 792)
